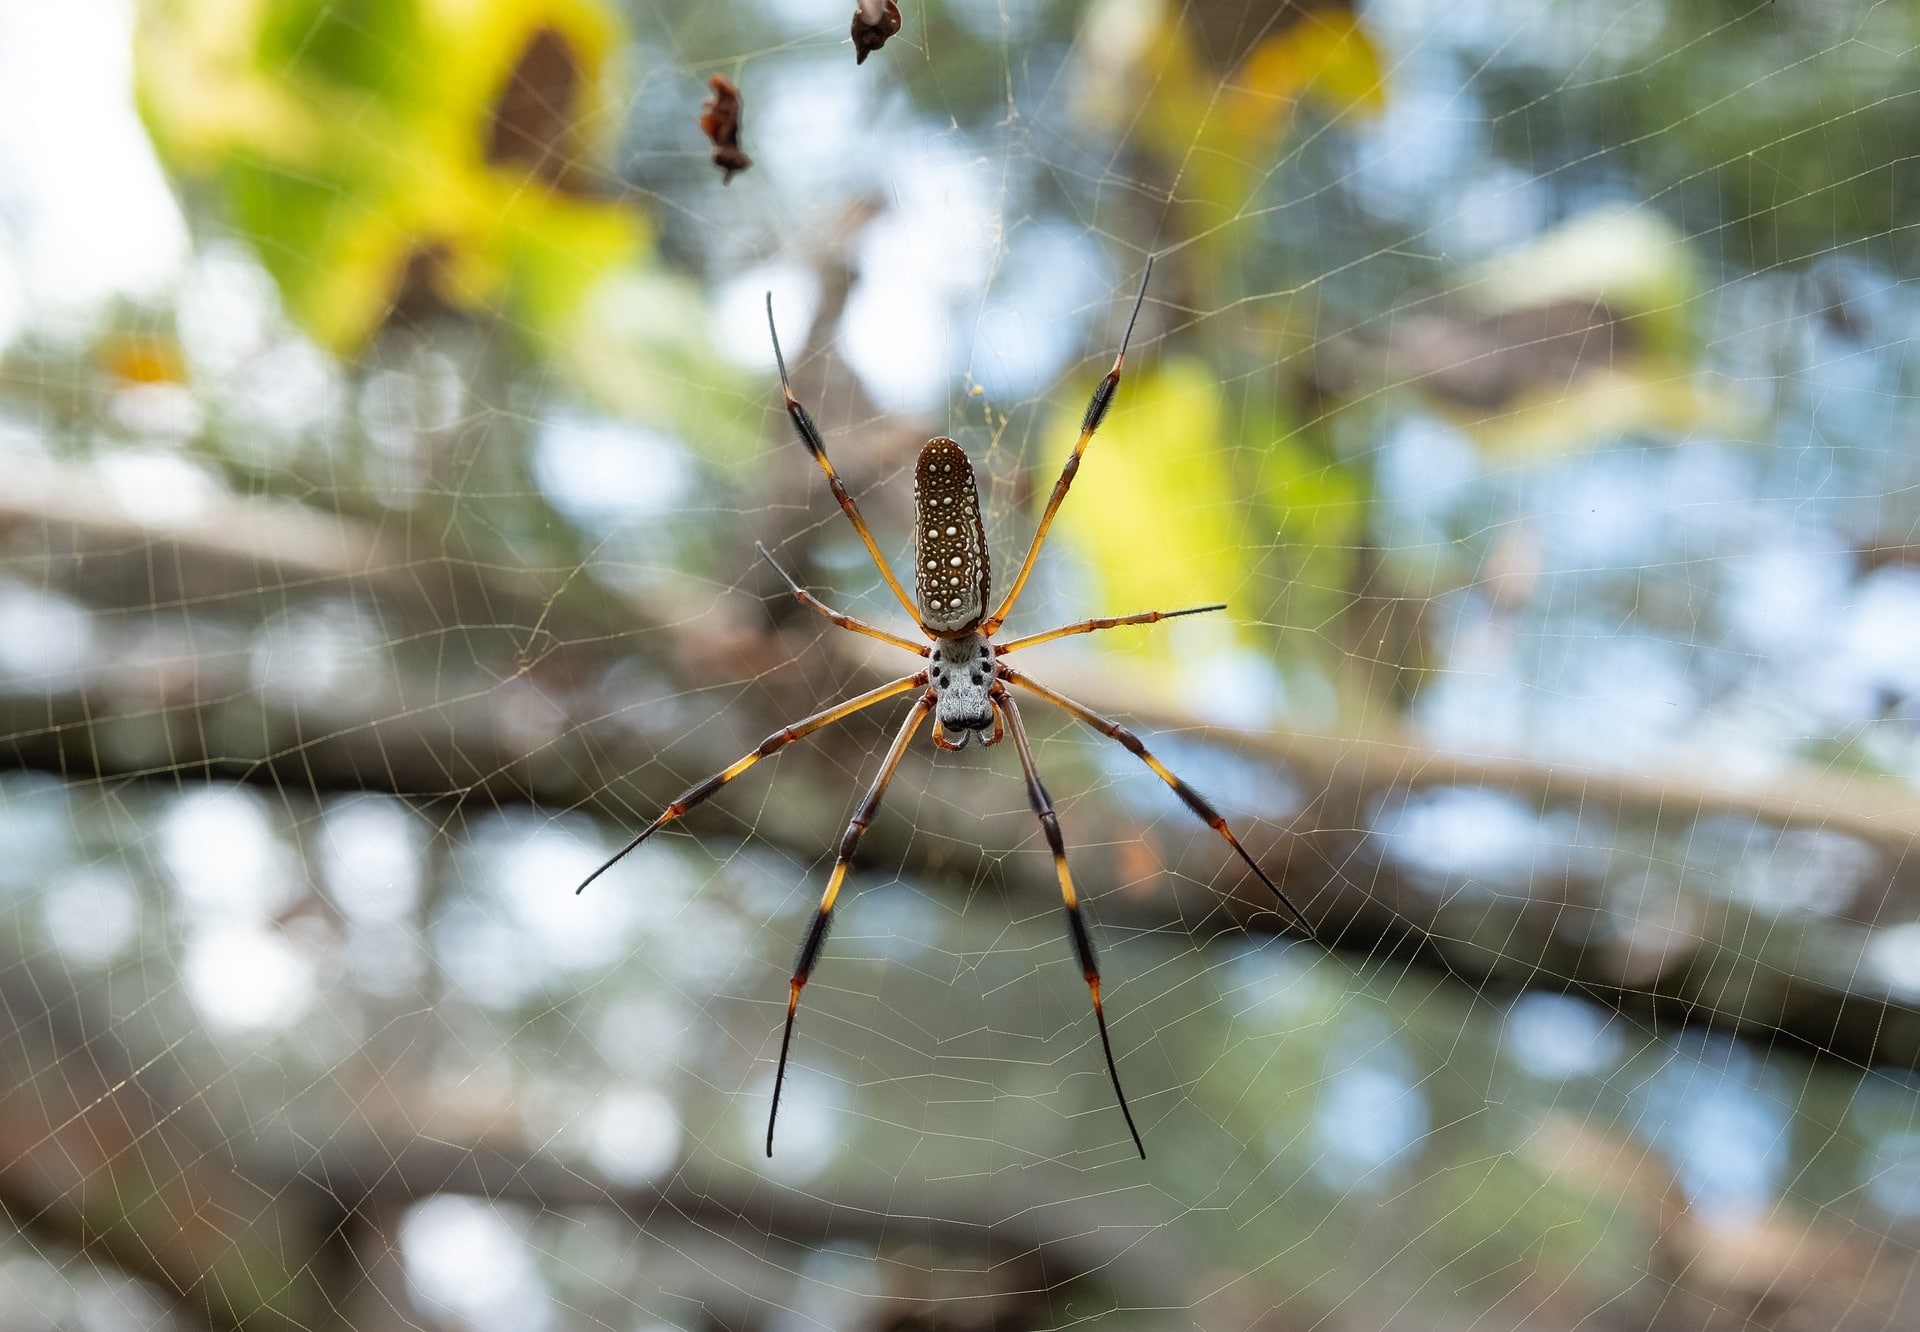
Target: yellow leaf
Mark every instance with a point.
(1154, 513)
(1325, 55)
(1142, 72)
(1629, 259)
(459, 172)
(1633, 396)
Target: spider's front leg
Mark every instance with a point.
(816, 938)
(1189, 797)
(773, 744)
(1076, 924)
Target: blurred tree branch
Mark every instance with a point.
(539, 723)
(124, 1160)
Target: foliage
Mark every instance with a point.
(388, 157)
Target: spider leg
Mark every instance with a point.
(817, 932)
(1089, 626)
(779, 740)
(812, 602)
(1076, 926)
(1096, 413)
(810, 436)
(1193, 800)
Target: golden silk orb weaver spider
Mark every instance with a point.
(964, 683)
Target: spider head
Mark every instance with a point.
(960, 675)
(955, 732)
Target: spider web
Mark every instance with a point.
(1534, 384)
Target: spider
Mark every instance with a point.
(964, 684)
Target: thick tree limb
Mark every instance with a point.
(494, 688)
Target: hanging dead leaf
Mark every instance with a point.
(873, 22)
(720, 122)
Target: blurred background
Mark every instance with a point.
(387, 417)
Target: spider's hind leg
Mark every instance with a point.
(809, 433)
(814, 603)
(1097, 408)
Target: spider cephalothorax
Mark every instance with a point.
(964, 683)
(960, 680)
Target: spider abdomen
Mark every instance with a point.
(949, 541)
